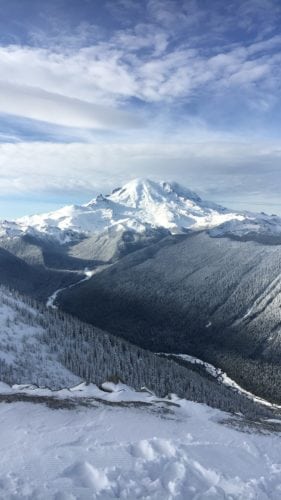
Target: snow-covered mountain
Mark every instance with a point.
(138, 205)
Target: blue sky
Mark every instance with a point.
(96, 92)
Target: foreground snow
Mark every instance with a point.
(162, 450)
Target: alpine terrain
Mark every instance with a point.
(155, 264)
(92, 416)
(145, 309)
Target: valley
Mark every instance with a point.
(88, 308)
(155, 264)
(140, 250)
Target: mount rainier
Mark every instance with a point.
(138, 206)
(155, 264)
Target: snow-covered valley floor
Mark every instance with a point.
(148, 449)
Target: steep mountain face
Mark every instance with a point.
(215, 298)
(169, 272)
(50, 349)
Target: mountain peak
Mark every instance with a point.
(140, 192)
(181, 191)
(136, 206)
(136, 193)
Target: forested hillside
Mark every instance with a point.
(51, 349)
(214, 298)
(29, 275)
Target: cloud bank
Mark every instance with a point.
(94, 93)
(85, 169)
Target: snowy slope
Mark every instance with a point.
(41, 346)
(185, 451)
(222, 377)
(23, 353)
(112, 441)
(137, 206)
(252, 223)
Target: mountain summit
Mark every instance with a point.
(140, 193)
(139, 205)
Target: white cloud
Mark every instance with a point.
(213, 167)
(38, 104)
(69, 87)
(191, 74)
(95, 74)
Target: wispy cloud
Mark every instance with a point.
(112, 73)
(213, 167)
(167, 88)
(39, 104)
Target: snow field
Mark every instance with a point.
(105, 452)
